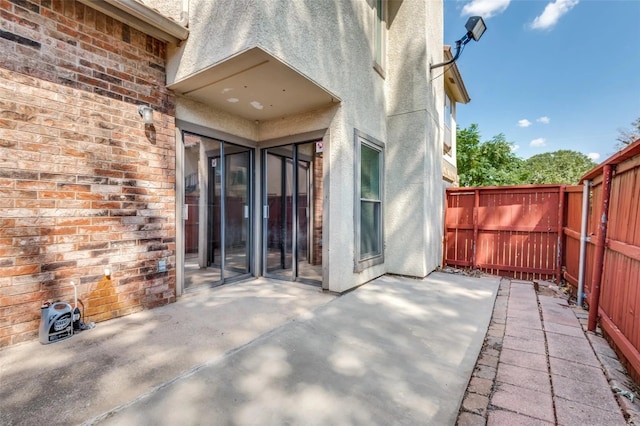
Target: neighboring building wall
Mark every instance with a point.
(84, 185)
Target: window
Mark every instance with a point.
(369, 188)
(448, 116)
(380, 34)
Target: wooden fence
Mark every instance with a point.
(612, 279)
(534, 232)
(510, 231)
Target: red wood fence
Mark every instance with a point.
(616, 276)
(510, 231)
(533, 232)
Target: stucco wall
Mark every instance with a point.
(331, 43)
(414, 169)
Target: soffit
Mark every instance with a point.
(453, 83)
(256, 86)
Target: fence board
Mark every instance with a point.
(514, 230)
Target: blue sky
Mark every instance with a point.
(550, 75)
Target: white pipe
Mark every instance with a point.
(583, 240)
(184, 14)
(75, 295)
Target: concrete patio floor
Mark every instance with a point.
(394, 351)
(448, 349)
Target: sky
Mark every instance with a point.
(550, 75)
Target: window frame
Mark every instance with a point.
(380, 37)
(448, 124)
(368, 260)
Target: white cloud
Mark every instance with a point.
(524, 123)
(552, 13)
(536, 143)
(485, 8)
(514, 148)
(593, 155)
(543, 120)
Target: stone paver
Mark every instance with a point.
(507, 418)
(524, 359)
(549, 370)
(524, 401)
(524, 377)
(594, 392)
(524, 344)
(573, 348)
(574, 413)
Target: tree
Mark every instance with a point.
(563, 166)
(493, 163)
(628, 136)
(489, 163)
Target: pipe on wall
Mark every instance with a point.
(583, 240)
(184, 14)
(598, 266)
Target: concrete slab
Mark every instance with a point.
(576, 349)
(524, 377)
(575, 413)
(395, 350)
(524, 333)
(90, 373)
(524, 344)
(507, 418)
(592, 392)
(524, 359)
(567, 330)
(524, 401)
(577, 371)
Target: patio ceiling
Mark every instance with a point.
(256, 86)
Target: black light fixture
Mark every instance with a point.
(475, 28)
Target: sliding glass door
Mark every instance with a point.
(292, 240)
(217, 210)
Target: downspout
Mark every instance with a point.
(583, 240)
(184, 14)
(476, 208)
(561, 199)
(598, 265)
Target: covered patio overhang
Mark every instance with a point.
(256, 86)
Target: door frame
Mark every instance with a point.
(294, 208)
(180, 207)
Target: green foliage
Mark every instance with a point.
(493, 163)
(490, 163)
(563, 166)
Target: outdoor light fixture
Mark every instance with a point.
(146, 112)
(475, 28)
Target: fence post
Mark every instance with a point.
(598, 265)
(476, 207)
(561, 200)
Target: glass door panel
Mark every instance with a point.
(292, 249)
(237, 198)
(279, 204)
(309, 213)
(217, 202)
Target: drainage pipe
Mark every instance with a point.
(598, 265)
(184, 14)
(583, 240)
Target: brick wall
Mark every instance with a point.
(84, 184)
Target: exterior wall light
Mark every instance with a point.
(475, 27)
(146, 112)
